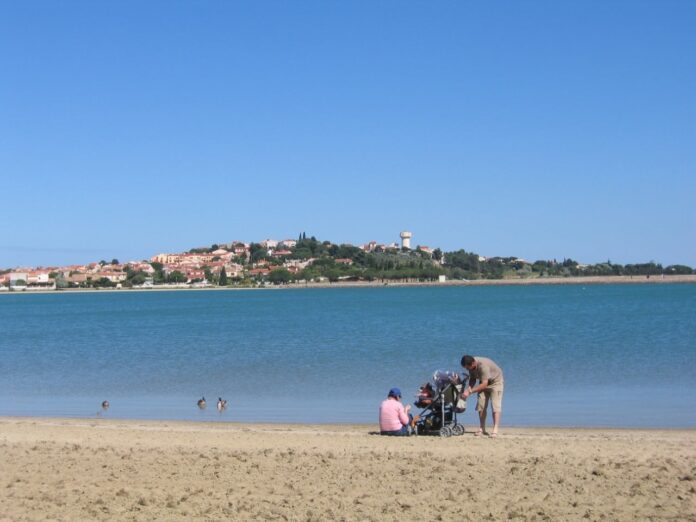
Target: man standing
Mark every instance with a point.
(489, 389)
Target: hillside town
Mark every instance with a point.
(308, 261)
(268, 261)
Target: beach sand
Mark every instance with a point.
(69, 469)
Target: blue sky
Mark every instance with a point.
(536, 129)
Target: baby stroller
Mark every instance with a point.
(440, 405)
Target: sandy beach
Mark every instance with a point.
(70, 469)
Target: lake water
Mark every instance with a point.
(604, 355)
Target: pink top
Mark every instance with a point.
(392, 415)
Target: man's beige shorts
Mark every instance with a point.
(494, 395)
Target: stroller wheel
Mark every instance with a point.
(445, 431)
(458, 429)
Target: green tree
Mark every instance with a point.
(650, 268)
(467, 261)
(223, 277)
(176, 277)
(61, 282)
(158, 276)
(332, 274)
(311, 247)
(280, 276)
(103, 282)
(138, 278)
(301, 253)
(679, 270)
(308, 274)
(324, 261)
(258, 252)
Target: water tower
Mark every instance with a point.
(405, 239)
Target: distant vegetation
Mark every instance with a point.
(462, 264)
(313, 260)
(330, 262)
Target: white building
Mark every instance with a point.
(406, 239)
(18, 277)
(38, 278)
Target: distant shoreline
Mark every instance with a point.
(587, 280)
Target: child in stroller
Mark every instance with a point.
(440, 403)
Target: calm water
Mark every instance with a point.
(608, 355)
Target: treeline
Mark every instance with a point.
(350, 263)
(330, 262)
(467, 265)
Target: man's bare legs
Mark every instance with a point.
(496, 423)
(482, 421)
